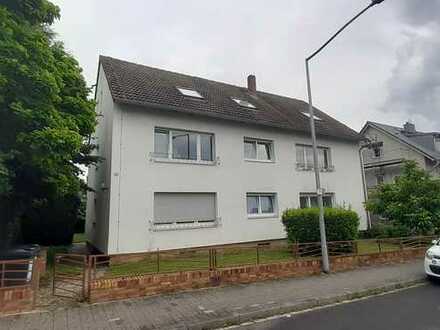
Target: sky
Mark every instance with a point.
(384, 68)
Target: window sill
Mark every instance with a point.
(263, 216)
(311, 169)
(184, 226)
(258, 160)
(185, 161)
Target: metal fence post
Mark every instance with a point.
(36, 267)
(84, 277)
(158, 260)
(258, 254)
(54, 273)
(90, 262)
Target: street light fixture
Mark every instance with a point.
(319, 192)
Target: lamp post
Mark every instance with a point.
(319, 192)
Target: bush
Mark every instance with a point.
(47, 232)
(412, 200)
(302, 225)
(51, 222)
(80, 226)
(387, 230)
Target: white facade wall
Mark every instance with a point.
(135, 177)
(98, 178)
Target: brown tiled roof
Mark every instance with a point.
(141, 85)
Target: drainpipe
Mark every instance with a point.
(364, 183)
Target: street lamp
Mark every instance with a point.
(325, 262)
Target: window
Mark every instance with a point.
(161, 141)
(258, 150)
(311, 200)
(377, 152)
(243, 103)
(190, 92)
(187, 145)
(437, 143)
(184, 208)
(379, 179)
(304, 157)
(260, 205)
(308, 115)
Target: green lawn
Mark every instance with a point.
(371, 246)
(79, 238)
(199, 260)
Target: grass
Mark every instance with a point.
(79, 238)
(199, 260)
(371, 246)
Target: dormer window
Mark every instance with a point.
(190, 92)
(243, 103)
(308, 115)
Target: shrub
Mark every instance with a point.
(412, 200)
(302, 225)
(51, 222)
(387, 230)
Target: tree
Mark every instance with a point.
(46, 116)
(413, 200)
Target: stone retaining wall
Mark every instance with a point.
(145, 285)
(16, 299)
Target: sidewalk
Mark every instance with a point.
(210, 308)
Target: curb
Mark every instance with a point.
(302, 306)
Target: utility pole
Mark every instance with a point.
(319, 192)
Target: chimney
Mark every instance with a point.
(252, 83)
(409, 127)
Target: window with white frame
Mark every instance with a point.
(190, 92)
(243, 103)
(178, 144)
(304, 157)
(184, 208)
(307, 200)
(255, 149)
(261, 205)
(308, 115)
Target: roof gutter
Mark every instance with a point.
(221, 116)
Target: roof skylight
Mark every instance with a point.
(190, 92)
(308, 115)
(243, 103)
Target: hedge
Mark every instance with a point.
(388, 229)
(302, 225)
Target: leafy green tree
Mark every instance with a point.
(46, 116)
(413, 200)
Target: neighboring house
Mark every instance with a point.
(193, 162)
(384, 163)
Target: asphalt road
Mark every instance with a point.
(412, 309)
